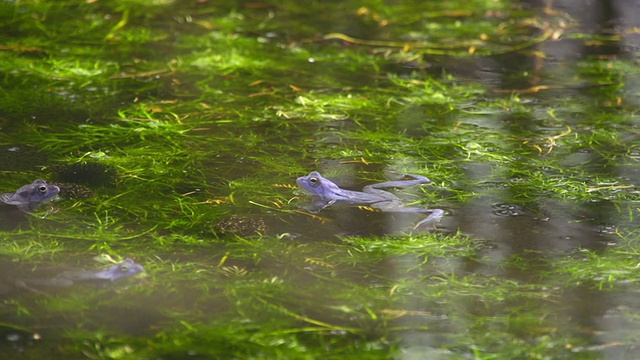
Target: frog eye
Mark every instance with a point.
(42, 189)
(124, 268)
(314, 181)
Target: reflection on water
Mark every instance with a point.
(244, 267)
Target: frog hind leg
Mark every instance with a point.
(431, 220)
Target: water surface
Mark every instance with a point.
(176, 132)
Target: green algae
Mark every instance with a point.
(204, 113)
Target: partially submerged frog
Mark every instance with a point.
(113, 273)
(327, 193)
(30, 196)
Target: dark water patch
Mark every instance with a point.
(23, 157)
(91, 174)
(13, 219)
(552, 227)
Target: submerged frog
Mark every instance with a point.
(113, 273)
(327, 193)
(29, 196)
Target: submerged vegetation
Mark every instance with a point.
(176, 132)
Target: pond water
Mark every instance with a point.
(176, 132)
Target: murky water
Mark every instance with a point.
(179, 146)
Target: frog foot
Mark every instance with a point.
(430, 221)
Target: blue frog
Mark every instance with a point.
(30, 196)
(326, 193)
